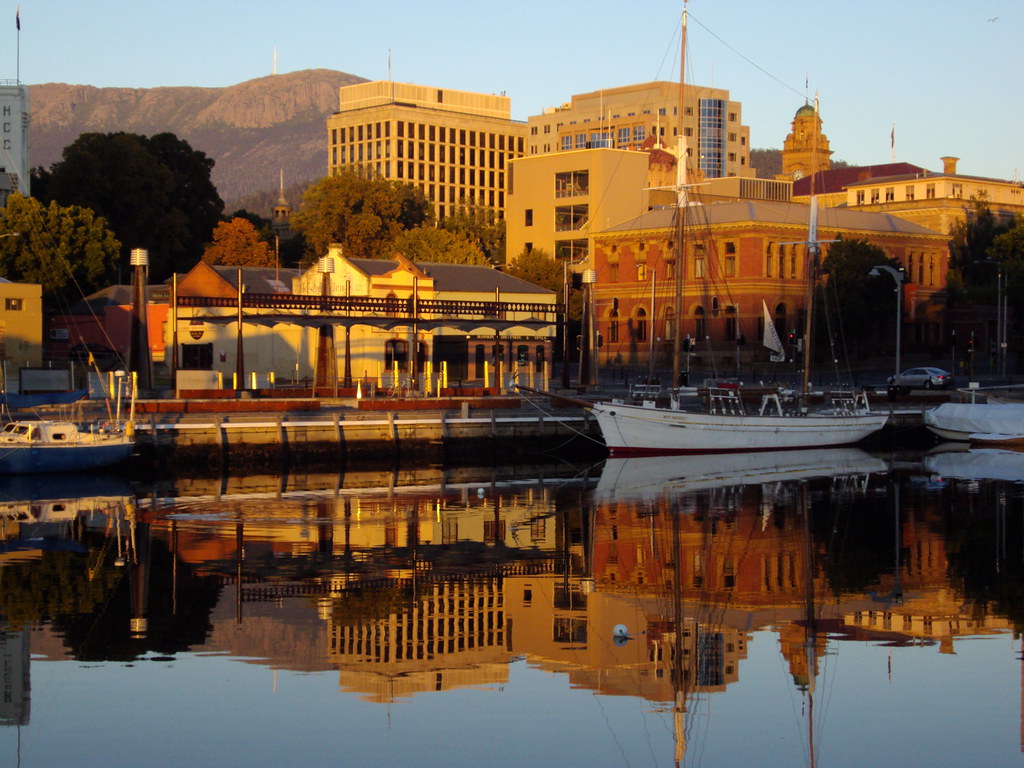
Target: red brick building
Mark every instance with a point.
(738, 255)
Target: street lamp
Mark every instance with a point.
(897, 275)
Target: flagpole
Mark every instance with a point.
(17, 65)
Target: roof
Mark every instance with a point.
(111, 296)
(259, 279)
(773, 213)
(455, 277)
(838, 179)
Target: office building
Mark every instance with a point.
(454, 145)
(625, 118)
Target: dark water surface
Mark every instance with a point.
(829, 608)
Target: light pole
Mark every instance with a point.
(898, 275)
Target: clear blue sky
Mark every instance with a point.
(946, 76)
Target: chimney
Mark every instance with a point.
(949, 165)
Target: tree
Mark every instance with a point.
(68, 250)
(155, 193)
(858, 298)
(438, 245)
(236, 243)
(536, 266)
(970, 267)
(482, 225)
(363, 215)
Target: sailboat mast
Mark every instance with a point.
(812, 279)
(677, 336)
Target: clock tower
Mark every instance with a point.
(805, 150)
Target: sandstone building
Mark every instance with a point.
(454, 145)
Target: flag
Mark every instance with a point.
(771, 337)
(17, 18)
(892, 136)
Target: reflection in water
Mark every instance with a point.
(407, 584)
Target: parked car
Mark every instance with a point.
(104, 356)
(918, 378)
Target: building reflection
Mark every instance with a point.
(431, 581)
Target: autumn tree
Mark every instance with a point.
(237, 243)
(364, 215)
(537, 266)
(68, 250)
(438, 245)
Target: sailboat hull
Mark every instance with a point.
(635, 430)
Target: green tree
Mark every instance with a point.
(68, 250)
(236, 243)
(155, 193)
(971, 273)
(858, 298)
(363, 215)
(482, 225)
(538, 267)
(438, 245)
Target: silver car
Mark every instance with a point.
(918, 378)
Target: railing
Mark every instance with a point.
(380, 306)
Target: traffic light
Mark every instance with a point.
(687, 344)
(792, 337)
(970, 344)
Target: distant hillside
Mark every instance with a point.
(767, 162)
(251, 130)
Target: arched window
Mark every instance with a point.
(670, 323)
(782, 260)
(768, 260)
(640, 324)
(700, 324)
(396, 354)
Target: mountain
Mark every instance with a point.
(251, 130)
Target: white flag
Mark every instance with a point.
(771, 337)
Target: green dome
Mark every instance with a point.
(805, 110)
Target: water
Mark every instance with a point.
(831, 608)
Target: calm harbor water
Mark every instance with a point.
(829, 608)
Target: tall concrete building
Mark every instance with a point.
(718, 144)
(454, 145)
(14, 119)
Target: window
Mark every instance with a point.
(768, 260)
(638, 133)
(860, 197)
(396, 354)
(890, 194)
(958, 190)
(528, 214)
(623, 136)
(641, 272)
(730, 266)
(571, 250)
(699, 266)
(566, 143)
(581, 141)
(910, 192)
(14, 305)
(572, 183)
(875, 196)
(613, 330)
(571, 217)
(700, 323)
(613, 272)
(640, 324)
(929, 191)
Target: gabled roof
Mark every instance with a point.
(259, 279)
(772, 213)
(454, 277)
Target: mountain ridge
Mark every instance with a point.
(252, 130)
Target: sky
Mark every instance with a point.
(939, 77)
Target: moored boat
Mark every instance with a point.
(977, 422)
(30, 447)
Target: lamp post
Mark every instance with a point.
(898, 275)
